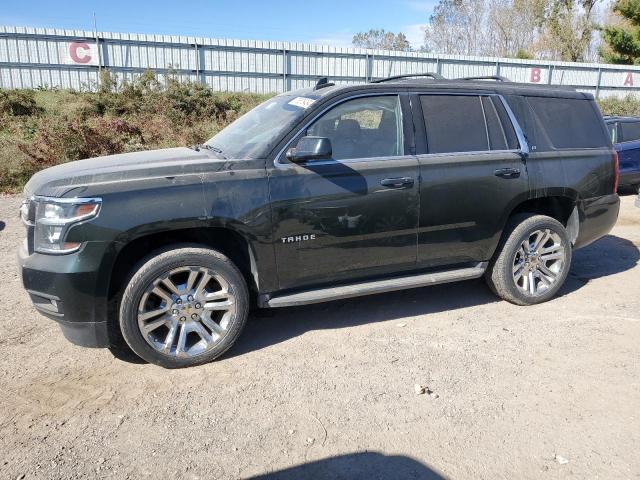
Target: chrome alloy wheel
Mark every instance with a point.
(186, 312)
(539, 262)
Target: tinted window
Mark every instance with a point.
(455, 123)
(630, 131)
(502, 136)
(466, 123)
(363, 128)
(505, 121)
(569, 122)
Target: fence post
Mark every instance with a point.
(367, 68)
(599, 82)
(200, 64)
(497, 68)
(285, 59)
(99, 49)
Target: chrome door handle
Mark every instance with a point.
(397, 182)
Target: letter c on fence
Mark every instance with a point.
(76, 52)
(536, 75)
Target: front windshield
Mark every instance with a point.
(254, 134)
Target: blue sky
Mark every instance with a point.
(325, 21)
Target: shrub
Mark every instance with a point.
(18, 103)
(39, 129)
(624, 106)
(64, 140)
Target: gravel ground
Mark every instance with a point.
(327, 391)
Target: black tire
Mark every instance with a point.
(158, 264)
(500, 273)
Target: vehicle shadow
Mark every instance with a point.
(607, 256)
(356, 466)
(269, 327)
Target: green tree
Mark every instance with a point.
(569, 29)
(622, 38)
(382, 40)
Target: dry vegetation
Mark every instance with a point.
(39, 129)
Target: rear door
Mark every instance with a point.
(354, 215)
(472, 174)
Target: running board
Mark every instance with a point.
(373, 287)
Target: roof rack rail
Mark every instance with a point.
(323, 83)
(435, 76)
(497, 78)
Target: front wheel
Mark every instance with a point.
(532, 262)
(184, 307)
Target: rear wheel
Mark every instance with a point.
(533, 261)
(184, 307)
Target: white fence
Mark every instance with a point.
(47, 58)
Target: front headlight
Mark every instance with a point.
(54, 217)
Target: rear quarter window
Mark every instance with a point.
(569, 122)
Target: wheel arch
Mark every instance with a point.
(563, 208)
(228, 241)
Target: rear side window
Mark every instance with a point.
(569, 122)
(502, 135)
(466, 123)
(630, 131)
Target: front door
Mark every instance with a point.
(354, 215)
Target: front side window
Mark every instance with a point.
(367, 127)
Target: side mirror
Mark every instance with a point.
(310, 148)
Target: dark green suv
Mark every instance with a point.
(316, 195)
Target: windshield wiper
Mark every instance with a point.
(211, 148)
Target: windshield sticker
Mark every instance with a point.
(302, 102)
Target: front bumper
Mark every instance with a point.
(70, 290)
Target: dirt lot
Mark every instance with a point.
(327, 391)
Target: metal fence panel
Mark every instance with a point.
(43, 57)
